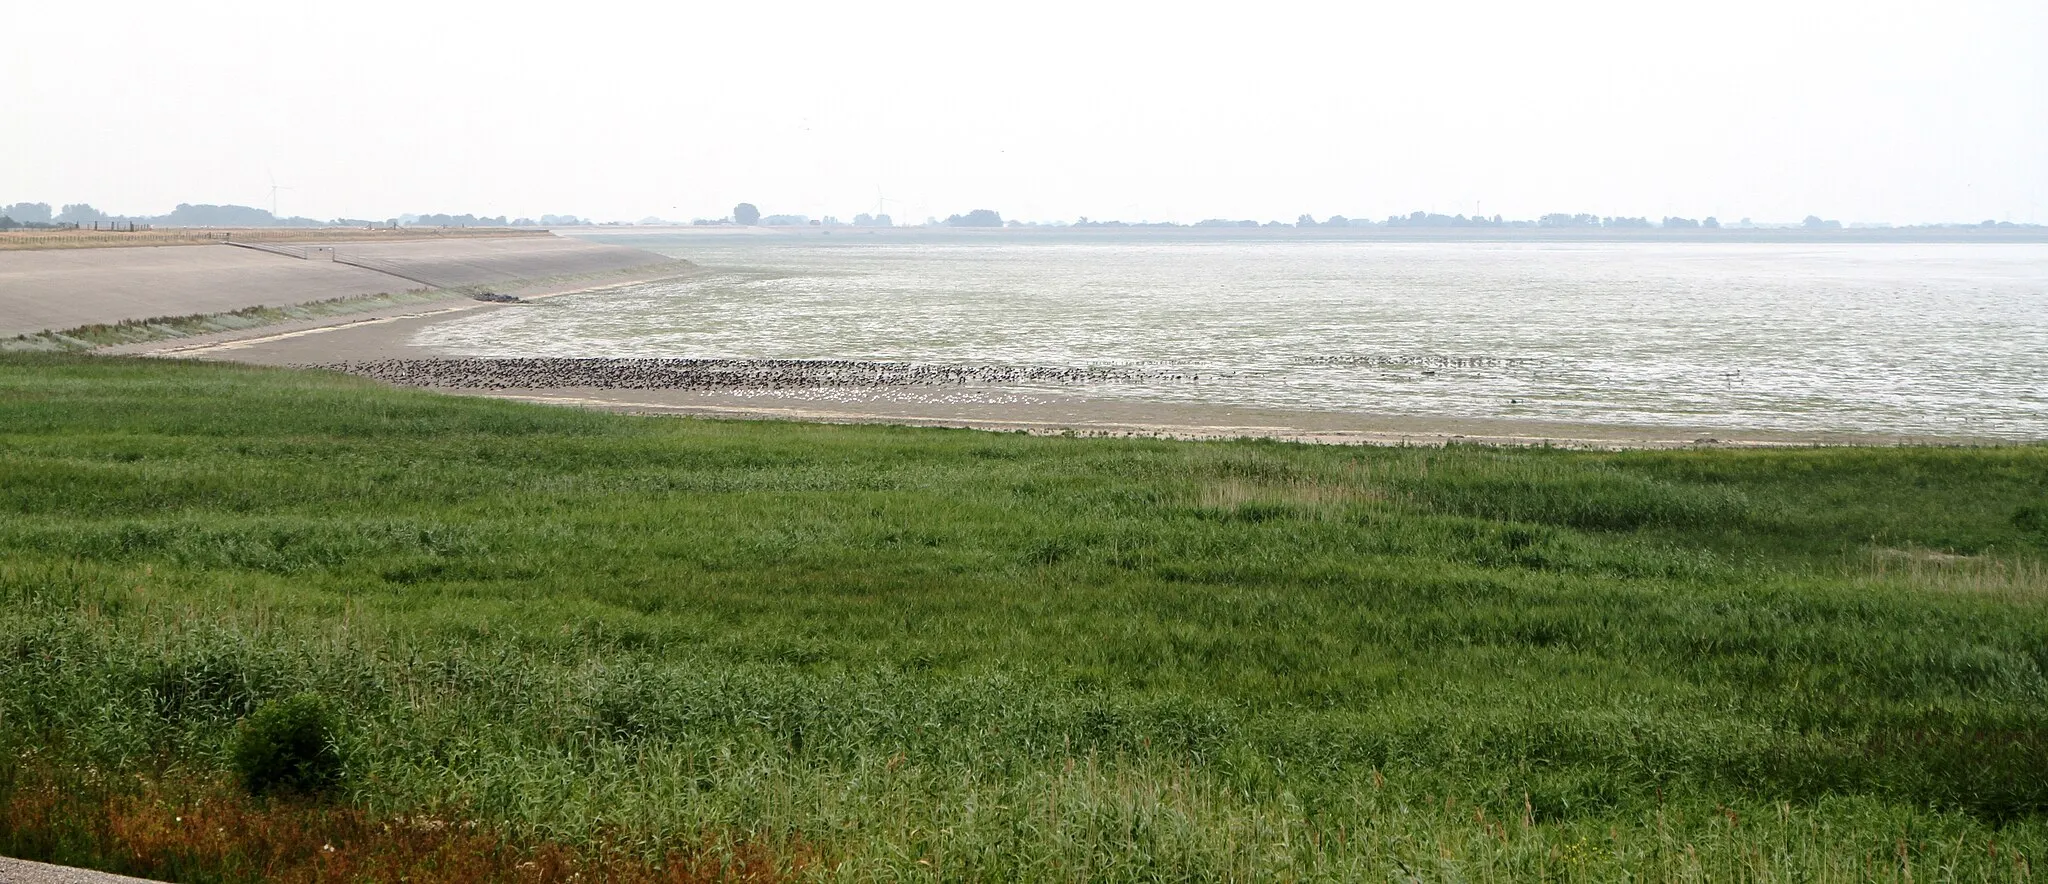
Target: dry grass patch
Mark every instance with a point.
(178, 829)
(1310, 495)
(2016, 580)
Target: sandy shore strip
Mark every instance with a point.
(249, 345)
(994, 398)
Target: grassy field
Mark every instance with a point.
(665, 648)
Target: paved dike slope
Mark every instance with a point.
(61, 289)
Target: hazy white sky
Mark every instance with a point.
(1857, 110)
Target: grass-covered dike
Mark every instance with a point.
(549, 642)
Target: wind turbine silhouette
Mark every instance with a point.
(274, 188)
(882, 204)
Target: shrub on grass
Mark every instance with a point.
(288, 747)
(2031, 518)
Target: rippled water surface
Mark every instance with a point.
(1936, 339)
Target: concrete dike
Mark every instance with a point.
(52, 290)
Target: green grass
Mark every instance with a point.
(906, 652)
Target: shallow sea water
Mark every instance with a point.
(1913, 339)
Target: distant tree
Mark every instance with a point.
(1305, 221)
(28, 213)
(1680, 222)
(1626, 222)
(976, 218)
(463, 220)
(1815, 222)
(1711, 223)
(1559, 219)
(81, 213)
(187, 215)
(8, 223)
(1432, 219)
(560, 221)
(1337, 221)
(745, 213)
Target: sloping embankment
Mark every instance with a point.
(62, 289)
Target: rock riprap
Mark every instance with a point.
(724, 374)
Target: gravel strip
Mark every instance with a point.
(21, 871)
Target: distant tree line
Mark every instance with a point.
(43, 215)
(453, 221)
(976, 218)
(749, 214)
(1424, 219)
(207, 215)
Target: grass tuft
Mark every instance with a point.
(289, 746)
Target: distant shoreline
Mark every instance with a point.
(1725, 235)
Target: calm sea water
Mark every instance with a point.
(1933, 339)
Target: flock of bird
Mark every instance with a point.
(721, 374)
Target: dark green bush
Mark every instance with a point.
(2031, 518)
(289, 747)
